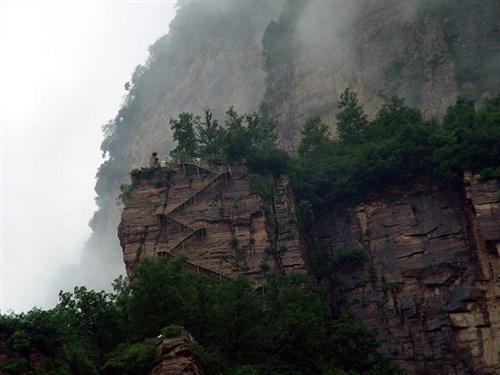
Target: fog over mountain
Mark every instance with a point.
(63, 68)
(288, 60)
(291, 61)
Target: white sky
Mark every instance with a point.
(63, 65)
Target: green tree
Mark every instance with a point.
(262, 133)
(469, 139)
(297, 321)
(210, 135)
(96, 318)
(314, 135)
(160, 295)
(392, 119)
(184, 134)
(460, 115)
(351, 120)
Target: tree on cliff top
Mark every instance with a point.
(184, 134)
(351, 120)
(248, 137)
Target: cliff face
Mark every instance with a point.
(176, 357)
(424, 52)
(209, 214)
(431, 283)
(210, 59)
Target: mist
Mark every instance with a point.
(63, 69)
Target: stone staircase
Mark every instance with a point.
(185, 238)
(218, 172)
(197, 268)
(192, 198)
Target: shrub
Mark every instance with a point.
(234, 242)
(131, 358)
(260, 185)
(125, 191)
(137, 175)
(489, 174)
(264, 266)
(15, 365)
(172, 330)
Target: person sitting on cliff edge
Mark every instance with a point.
(153, 161)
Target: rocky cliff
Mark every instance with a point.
(211, 58)
(431, 281)
(429, 284)
(424, 52)
(209, 214)
(176, 357)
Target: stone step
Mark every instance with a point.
(196, 267)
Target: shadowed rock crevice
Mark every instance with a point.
(430, 284)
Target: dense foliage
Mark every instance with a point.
(397, 147)
(286, 330)
(241, 137)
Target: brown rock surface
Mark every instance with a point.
(212, 218)
(176, 357)
(431, 285)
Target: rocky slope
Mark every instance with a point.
(431, 283)
(209, 214)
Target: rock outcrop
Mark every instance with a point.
(176, 357)
(209, 214)
(424, 52)
(431, 281)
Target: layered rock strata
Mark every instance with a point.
(176, 357)
(431, 281)
(208, 214)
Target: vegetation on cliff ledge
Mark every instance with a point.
(240, 137)
(399, 147)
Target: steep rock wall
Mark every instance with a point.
(424, 52)
(215, 221)
(176, 357)
(211, 58)
(431, 283)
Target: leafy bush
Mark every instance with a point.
(15, 365)
(125, 191)
(264, 266)
(234, 326)
(20, 341)
(131, 359)
(489, 173)
(172, 330)
(137, 175)
(260, 185)
(397, 147)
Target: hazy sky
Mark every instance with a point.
(63, 67)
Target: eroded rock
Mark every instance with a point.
(431, 283)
